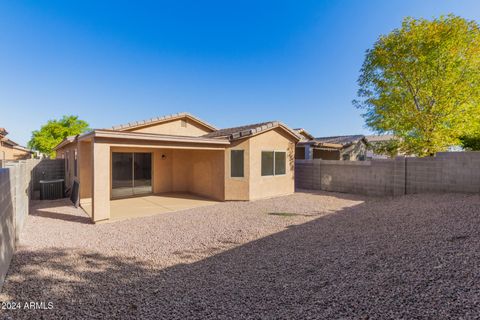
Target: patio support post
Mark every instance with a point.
(101, 181)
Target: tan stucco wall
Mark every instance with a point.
(9, 153)
(253, 185)
(238, 188)
(101, 181)
(85, 174)
(264, 187)
(174, 127)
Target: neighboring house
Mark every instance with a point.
(331, 148)
(179, 153)
(374, 142)
(10, 150)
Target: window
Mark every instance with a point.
(267, 163)
(346, 156)
(273, 163)
(280, 162)
(236, 164)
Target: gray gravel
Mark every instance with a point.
(340, 256)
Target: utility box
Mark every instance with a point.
(51, 189)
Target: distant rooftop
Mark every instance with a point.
(380, 138)
(343, 140)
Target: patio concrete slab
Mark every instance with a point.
(136, 207)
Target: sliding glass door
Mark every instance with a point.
(131, 173)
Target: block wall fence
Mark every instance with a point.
(446, 172)
(19, 182)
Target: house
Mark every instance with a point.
(376, 143)
(10, 150)
(179, 153)
(352, 147)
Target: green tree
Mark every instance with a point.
(52, 133)
(471, 142)
(421, 82)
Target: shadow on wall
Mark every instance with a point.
(371, 260)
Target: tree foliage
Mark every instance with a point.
(471, 142)
(421, 82)
(52, 133)
(390, 148)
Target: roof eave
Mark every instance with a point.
(152, 137)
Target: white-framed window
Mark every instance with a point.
(274, 163)
(237, 164)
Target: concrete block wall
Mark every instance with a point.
(446, 172)
(7, 220)
(361, 177)
(15, 191)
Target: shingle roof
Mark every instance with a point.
(161, 119)
(343, 140)
(248, 130)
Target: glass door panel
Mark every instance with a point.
(142, 173)
(122, 174)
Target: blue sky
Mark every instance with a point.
(230, 63)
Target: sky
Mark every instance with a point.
(228, 62)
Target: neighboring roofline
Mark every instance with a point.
(19, 147)
(318, 144)
(104, 133)
(65, 142)
(301, 130)
(317, 139)
(152, 121)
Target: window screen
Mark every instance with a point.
(280, 162)
(236, 161)
(267, 163)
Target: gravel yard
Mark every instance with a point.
(317, 256)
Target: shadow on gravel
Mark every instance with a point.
(381, 259)
(52, 209)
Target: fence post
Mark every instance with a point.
(399, 176)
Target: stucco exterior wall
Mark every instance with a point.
(181, 127)
(238, 188)
(200, 172)
(9, 153)
(270, 186)
(85, 174)
(101, 181)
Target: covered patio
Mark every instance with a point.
(151, 204)
(121, 209)
(127, 176)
